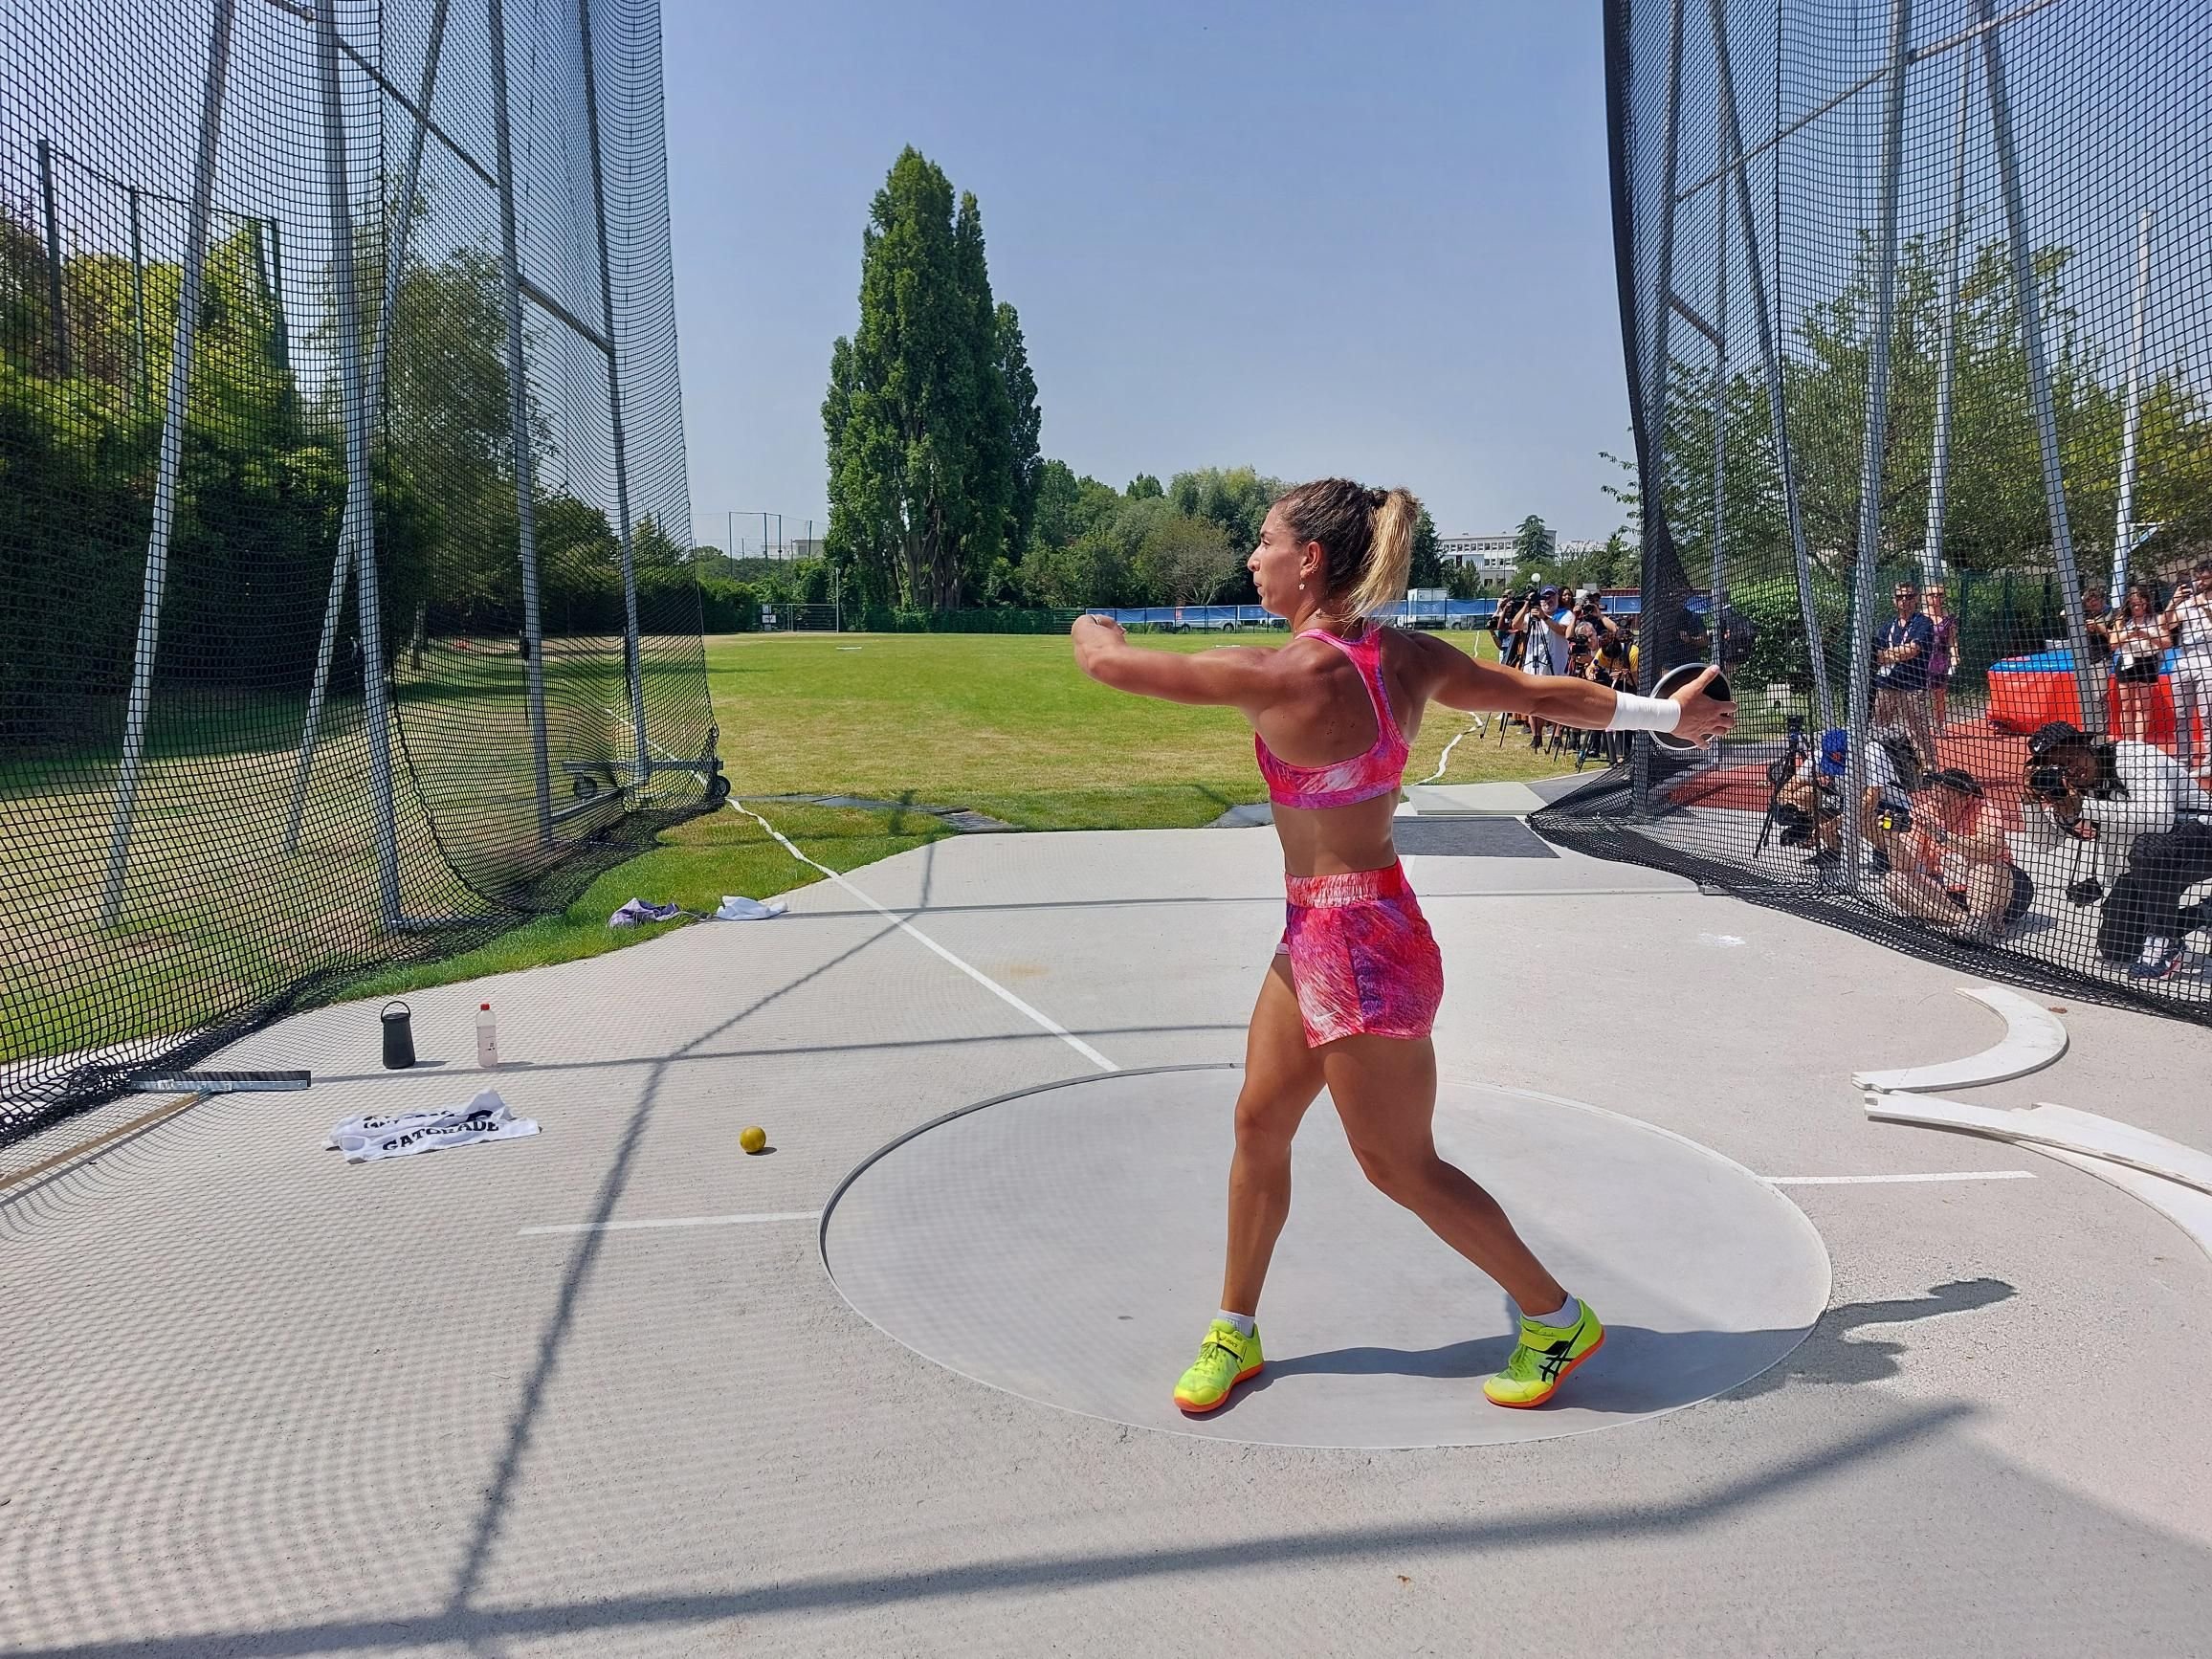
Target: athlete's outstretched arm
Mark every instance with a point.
(1229, 676)
(1464, 683)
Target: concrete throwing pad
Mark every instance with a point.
(1064, 1244)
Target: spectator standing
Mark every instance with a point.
(2139, 647)
(2190, 618)
(2098, 624)
(1942, 655)
(1550, 645)
(1901, 653)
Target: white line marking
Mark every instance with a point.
(1445, 759)
(1887, 1179)
(670, 1221)
(923, 939)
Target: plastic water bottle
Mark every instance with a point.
(487, 1039)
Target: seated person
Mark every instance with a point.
(1949, 862)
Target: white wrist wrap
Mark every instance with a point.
(1635, 714)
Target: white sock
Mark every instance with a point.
(1567, 1316)
(1242, 1322)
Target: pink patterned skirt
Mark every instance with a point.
(1362, 958)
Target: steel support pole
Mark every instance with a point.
(2132, 423)
(519, 411)
(394, 265)
(52, 218)
(1932, 560)
(1715, 616)
(634, 665)
(1891, 172)
(357, 530)
(169, 467)
(138, 303)
(2088, 676)
(281, 320)
(1654, 370)
(1770, 354)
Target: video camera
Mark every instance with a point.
(2048, 783)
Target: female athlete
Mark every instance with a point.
(1355, 982)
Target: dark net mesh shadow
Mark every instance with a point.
(339, 429)
(1920, 344)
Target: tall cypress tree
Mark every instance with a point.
(931, 413)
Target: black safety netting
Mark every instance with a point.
(343, 617)
(1918, 331)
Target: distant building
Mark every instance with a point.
(1492, 557)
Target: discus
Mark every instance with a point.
(1672, 681)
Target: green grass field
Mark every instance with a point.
(1002, 724)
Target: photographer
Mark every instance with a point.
(1884, 810)
(2144, 815)
(1550, 639)
(1950, 865)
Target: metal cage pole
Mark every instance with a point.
(2087, 679)
(519, 405)
(143, 381)
(169, 467)
(357, 530)
(395, 260)
(633, 662)
(1932, 563)
(279, 321)
(51, 220)
(2132, 421)
(1654, 455)
(1715, 616)
(1877, 433)
(1770, 354)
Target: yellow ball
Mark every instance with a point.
(753, 1138)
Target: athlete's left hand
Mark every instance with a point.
(1703, 716)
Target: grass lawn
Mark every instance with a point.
(1001, 723)
(1006, 724)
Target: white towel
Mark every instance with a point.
(736, 908)
(367, 1138)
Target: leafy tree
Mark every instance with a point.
(1428, 568)
(931, 410)
(1144, 487)
(1533, 541)
(1025, 425)
(1067, 506)
(1237, 498)
(1092, 570)
(1184, 560)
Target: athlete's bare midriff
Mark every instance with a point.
(1339, 840)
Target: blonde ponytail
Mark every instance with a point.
(1389, 556)
(1367, 536)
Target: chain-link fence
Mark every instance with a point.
(1919, 340)
(339, 430)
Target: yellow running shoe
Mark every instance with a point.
(1542, 1358)
(1226, 1358)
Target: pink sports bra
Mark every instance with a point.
(1365, 776)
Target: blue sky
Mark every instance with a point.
(1373, 239)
